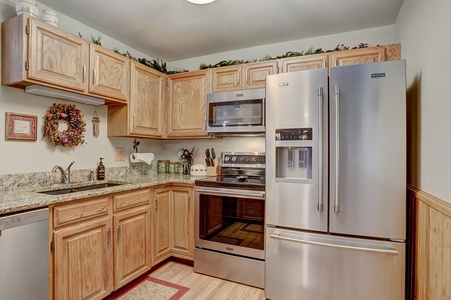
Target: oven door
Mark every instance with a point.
(230, 221)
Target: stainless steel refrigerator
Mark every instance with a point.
(336, 183)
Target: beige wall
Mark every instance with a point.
(22, 157)
(423, 29)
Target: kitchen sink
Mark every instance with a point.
(80, 188)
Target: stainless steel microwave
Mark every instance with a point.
(236, 113)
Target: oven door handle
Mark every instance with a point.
(231, 192)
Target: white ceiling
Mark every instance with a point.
(176, 29)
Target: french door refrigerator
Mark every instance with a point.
(336, 183)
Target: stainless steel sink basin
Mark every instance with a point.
(80, 188)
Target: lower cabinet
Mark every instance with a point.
(99, 244)
(173, 222)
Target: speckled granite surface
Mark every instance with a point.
(20, 192)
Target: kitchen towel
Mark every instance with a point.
(142, 157)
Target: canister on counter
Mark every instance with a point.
(172, 167)
(162, 166)
(179, 168)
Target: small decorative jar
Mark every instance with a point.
(50, 17)
(179, 168)
(171, 167)
(29, 7)
(162, 166)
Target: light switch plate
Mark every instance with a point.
(120, 154)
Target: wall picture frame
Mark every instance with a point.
(20, 126)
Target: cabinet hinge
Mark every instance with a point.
(26, 65)
(52, 246)
(27, 29)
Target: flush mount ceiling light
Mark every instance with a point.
(60, 94)
(200, 1)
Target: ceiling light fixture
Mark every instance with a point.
(64, 95)
(200, 1)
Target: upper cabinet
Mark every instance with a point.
(144, 114)
(357, 56)
(110, 73)
(242, 77)
(301, 63)
(34, 52)
(187, 113)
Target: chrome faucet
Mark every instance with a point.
(64, 173)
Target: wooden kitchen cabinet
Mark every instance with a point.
(144, 114)
(301, 63)
(182, 222)
(357, 56)
(35, 52)
(110, 73)
(187, 112)
(99, 244)
(161, 224)
(242, 77)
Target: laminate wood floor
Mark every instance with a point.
(203, 286)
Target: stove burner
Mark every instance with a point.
(242, 178)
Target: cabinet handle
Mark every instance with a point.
(134, 120)
(84, 74)
(118, 232)
(108, 231)
(94, 79)
(189, 201)
(156, 203)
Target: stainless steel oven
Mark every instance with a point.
(229, 220)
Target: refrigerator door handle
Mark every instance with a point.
(337, 149)
(320, 147)
(388, 251)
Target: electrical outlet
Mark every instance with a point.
(120, 154)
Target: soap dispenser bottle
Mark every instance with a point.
(101, 170)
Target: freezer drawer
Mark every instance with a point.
(308, 266)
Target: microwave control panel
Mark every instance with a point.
(294, 134)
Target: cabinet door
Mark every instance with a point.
(161, 225)
(254, 74)
(182, 222)
(357, 56)
(132, 245)
(146, 101)
(82, 267)
(226, 79)
(187, 104)
(110, 73)
(302, 63)
(56, 57)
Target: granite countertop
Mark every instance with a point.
(20, 199)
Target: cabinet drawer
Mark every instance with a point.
(132, 199)
(81, 211)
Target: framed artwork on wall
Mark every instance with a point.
(21, 127)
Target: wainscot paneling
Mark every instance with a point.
(431, 241)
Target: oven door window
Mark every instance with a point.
(232, 220)
(236, 113)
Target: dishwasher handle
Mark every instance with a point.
(389, 251)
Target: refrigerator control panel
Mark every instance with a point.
(294, 134)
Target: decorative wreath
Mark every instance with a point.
(71, 137)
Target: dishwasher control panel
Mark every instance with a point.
(23, 218)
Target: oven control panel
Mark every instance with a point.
(244, 159)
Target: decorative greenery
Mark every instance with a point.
(71, 137)
(310, 51)
(96, 41)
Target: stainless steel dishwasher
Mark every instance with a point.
(24, 255)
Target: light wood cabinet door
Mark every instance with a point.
(182, 222)
(254, 74)
(146, 101)
(56, 57)
(161, 224)
(226, 79)
(187, 104)
(357, 56)
(109, 73)
(131, 244)
(302, 63)
(83, 261)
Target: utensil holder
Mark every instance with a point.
(213, 171)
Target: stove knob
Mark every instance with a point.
(234, 158)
